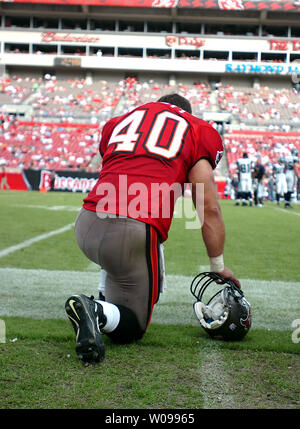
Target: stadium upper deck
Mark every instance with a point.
(235, 60)
(227, 38)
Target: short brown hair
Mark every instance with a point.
(178, 100)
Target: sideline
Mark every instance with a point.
(41, 294)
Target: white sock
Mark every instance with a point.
(163, 282)
(112, 314)
(102, 281)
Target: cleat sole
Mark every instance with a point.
(89, 344)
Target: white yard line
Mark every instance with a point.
(288, 211)
(52, 208)
(27, 243)
(216, 386)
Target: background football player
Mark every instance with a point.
(291, 174)
(280, 180)
(245, 168)
(258, 184)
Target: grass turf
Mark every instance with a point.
(160, 371)
(175, 365)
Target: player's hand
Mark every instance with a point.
(228, 275)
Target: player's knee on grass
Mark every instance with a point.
(128, 329)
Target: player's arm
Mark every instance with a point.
(213, 228)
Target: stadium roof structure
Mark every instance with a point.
(238, 5)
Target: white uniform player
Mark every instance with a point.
(291, 174)
(245, 168)
(281, 186)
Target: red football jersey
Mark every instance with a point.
(147, 154)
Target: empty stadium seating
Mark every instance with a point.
(52, 146)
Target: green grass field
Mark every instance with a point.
(175, 365)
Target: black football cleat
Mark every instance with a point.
(87, 317)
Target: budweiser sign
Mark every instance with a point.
(67, 37)
(185, 41)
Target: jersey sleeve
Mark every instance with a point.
(105, 136)
(208, 146)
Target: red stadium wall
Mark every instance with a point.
(287, 5)
(15, 181)
(221, 184)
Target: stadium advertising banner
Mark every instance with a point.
(172, 44)
(241, 44)
(262, 68)
(65, 181)
(288, 5)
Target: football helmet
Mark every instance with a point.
(294, 151)
(227, 314)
